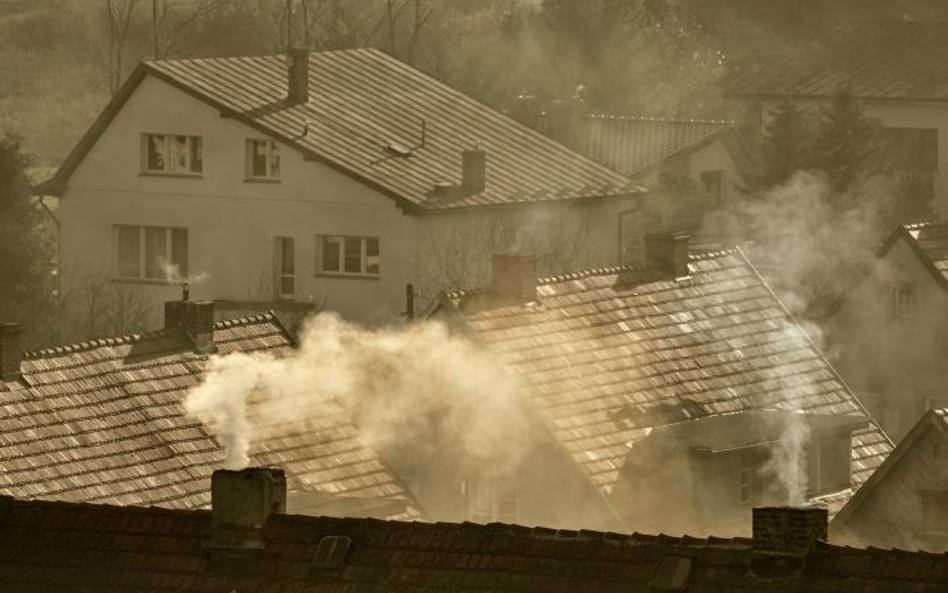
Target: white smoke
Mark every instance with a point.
(173, 275)
(414, 392)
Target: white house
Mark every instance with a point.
(334, 178)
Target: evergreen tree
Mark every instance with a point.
(787, 146)
(848, 145)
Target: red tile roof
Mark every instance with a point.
(610, 353)
(52, 547)
(360, 102)
(881, 60)
(103, 421)
(631, 144)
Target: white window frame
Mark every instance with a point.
(493, 514)
(280, 273)
(273, 149)
(194, 144)
(363, 257)
(142, 251)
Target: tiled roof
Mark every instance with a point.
(630, 144)
(880, 60)
(932, 238)
(362, 101)
(53, 547)
(103, 421)
(609, 353)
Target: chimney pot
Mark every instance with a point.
(298, 75)
(474, 170)
(784, 536)
(196, 318)
(11, 352)
(667, 254)
(241, 503)
(514, 277)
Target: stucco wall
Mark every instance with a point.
(893, 364)
(232, 222)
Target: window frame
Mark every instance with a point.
(173, 258)
(926, 521)
(364, 257)
(495, 500)
(719, 176)
(817, 457)
(280, 274)
(195, 145)
(896, 310)
(273, 148)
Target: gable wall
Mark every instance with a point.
(892, 364)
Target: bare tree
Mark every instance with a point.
(118, 19)
(182, 29)
(95, 306)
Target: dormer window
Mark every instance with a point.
(263, 160)
(903, 301)
(172, 154)
(830, 462)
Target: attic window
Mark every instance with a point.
(830, 463)
(331, 552)
(673, 573)
(903, 301)
(934, 518)
(172, 154)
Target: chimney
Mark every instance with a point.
(784, 536)
(514, 277)
(196, 318)
(474, 170)
(10, 351)
(298, 75)
(667, 254)
(564, 120)
(241, 502)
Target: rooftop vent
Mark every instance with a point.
(196, 318)
(298, 75)
(514, 277)
(667, 254)
(474, 170)
(11, 354)
(241, 503)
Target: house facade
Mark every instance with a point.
(904, 504)
(894, 68)
(335, 179)
(683, 383)
(887, 331)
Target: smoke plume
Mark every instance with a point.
(173, 275)
(416, 392)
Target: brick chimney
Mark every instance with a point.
(474, 170)
(11, 353)
(667, 254)
(784, 537)
(298, 75)
(514, 277)
(241, 503)
(196, 318)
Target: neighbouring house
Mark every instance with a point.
(246, 542)
(683, 388)
(104, 422)
(888, 330)
(895, 68)
(904, 504)
(333, 179)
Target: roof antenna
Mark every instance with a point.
(424, 135)
(185, 291)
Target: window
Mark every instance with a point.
(284, 255)
(354, 256)
(263, 159)
(490, 501)
(712, 187)
(148, 252)
(912, 149)
(166, 153)
(903, 302)
(829, 463)
(934, 511)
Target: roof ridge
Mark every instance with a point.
(923, 224)
(86, 345)
(647, 118)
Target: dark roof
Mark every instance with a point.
(53, 547)
(360, 102)
(932, 238)
(103, 421)
(630, 145)
(609, 354)
(880, 60)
